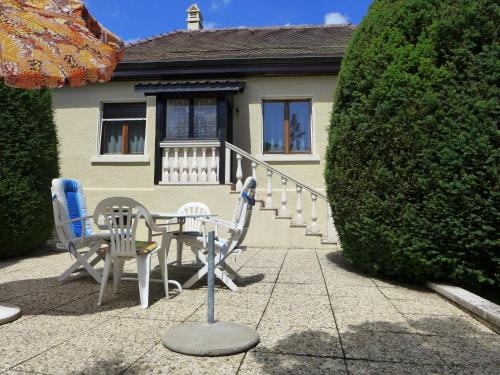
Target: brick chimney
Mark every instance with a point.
(194, 19)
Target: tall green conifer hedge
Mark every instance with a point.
(28, 162)
(413, 157)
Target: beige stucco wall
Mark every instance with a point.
(319, 89)
(77, 113)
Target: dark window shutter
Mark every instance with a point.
(124, 110)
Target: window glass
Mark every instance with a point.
(123, 128)
(177, 118)
(205, 118)
(274, 137)
(299, 135)
(287, 126)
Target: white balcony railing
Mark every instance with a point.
(190, 162)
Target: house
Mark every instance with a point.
(190, 113)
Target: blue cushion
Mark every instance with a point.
(75, 207)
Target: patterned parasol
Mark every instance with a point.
(47, 43)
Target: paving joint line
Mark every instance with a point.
(333, 311)
(265, 308)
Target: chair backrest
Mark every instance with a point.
(69, 203)
(192, 225)
(243, 211)
(120, 215)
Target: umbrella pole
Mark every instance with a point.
(212, 338)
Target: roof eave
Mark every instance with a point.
(228, 67)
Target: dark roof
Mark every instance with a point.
(191, 86)
(242, 43)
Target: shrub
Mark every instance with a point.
(413, 150)
(28, 162)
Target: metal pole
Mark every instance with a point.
(211, 277)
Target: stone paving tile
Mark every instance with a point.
(238, 314)
(449, 326)
(258, 363)
(433, 306)
(414, 294)
(377, 368)
(484, 369)
(248, 300)
(468, 351)
(301, 278)
(250, 270)
(109, 348)
(23, 339)
(162, 310)
(160, 360)
(300, 290)
(284, 338)
(303, 314)
(389, 346)
(356, 291)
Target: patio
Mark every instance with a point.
(314, 314)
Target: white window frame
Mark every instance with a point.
(310, 157)
(121, 158)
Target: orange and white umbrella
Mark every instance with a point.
(48, 43)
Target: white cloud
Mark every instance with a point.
(336, 18)
(209, 25)
(216, 4)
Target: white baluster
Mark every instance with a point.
(185, 166)
(213, 168)
(194, 166)
(203, 176)
(298, 207)
(239, 173)
(331, 231)
(254, 170)
(166, 165)
(269, 192)
(313, 228)
(175, 176)
(283, 209)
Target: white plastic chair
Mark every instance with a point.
(74, 228)
(121, 217)
(191, 225)
(237, 229)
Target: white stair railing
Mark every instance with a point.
(298, 220)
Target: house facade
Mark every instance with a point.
(189, 114)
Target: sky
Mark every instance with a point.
(136, 19)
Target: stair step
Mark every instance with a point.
(314, 234)
(288, 217)
(298, 225)
(326, 241)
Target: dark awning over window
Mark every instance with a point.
(178, 87)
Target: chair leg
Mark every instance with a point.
(82, 260)
(143, 269)
(179, 252)
(162, 257)
(117, 273)
(105, 275)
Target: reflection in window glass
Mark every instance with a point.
(205, 118)
(299, 136)
(273, 127)
(123, 128)
(177, 118)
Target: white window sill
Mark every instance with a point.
(119, 159)
(289, 158)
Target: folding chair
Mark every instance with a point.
(236, 232)
(74, 228)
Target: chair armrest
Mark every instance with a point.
(82, 218)
(217, 222)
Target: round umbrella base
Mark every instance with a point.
(8, 313)
(210, 340)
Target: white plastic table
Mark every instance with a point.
(181, 220)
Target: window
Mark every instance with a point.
(123, 128)
(191, 118)
(287, 126)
